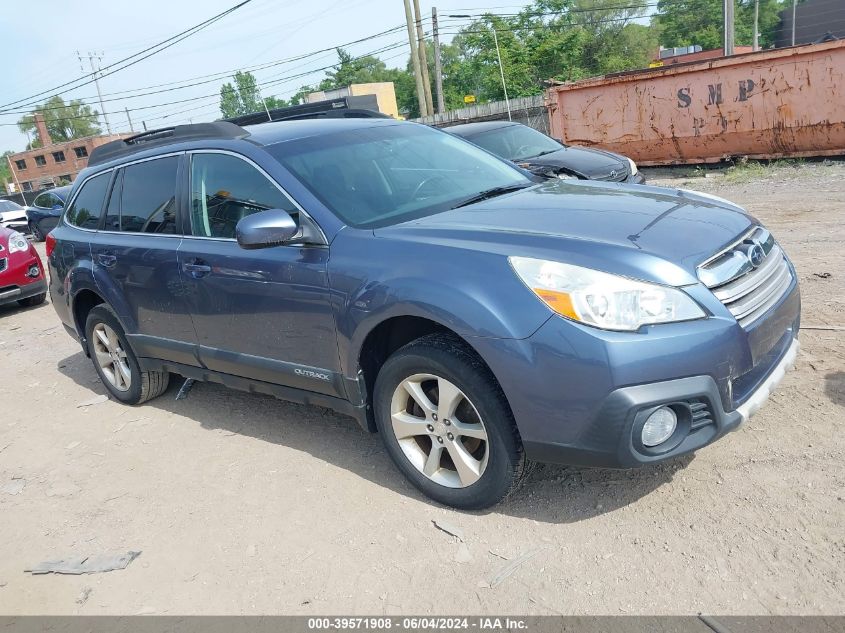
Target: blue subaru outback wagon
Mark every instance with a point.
(476, 319)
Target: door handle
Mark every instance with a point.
(107, 260)
(196, 268)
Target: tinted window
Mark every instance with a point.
(42, 201)
(225, 189)
(392, 173)
(148, 199)
(88, 204)
(113, 209)
(8, 205)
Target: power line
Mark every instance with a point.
(211, 77)
(216, 95)
(141, 56)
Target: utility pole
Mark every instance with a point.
(95, 71)
(438, 64)
(755, 46)
(415, 60)
(15, 176)
(794, 3)
(498, 56)
(728, 10)
(423, 54)
(129, 118)
(502, 72)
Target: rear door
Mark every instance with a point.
(262, 314)
(135, 259)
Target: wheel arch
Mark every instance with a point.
(84, 300)
(389, 335)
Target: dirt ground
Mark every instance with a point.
(243, 504)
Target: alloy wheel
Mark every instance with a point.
(111, 357)
(439, 430)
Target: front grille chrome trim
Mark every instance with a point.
(746, 290)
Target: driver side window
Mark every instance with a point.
(225, 189)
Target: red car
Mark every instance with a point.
(21, 273)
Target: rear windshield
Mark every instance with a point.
(388, 174)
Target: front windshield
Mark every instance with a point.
(516, 142)
(387, 174)
(8, 205)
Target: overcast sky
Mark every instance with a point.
(40, 40)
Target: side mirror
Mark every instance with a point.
(265, 229)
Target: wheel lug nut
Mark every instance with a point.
(447, 421)
(430, 428)
(450, 436)
(434, 417)
(439, 439)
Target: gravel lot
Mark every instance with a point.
(242, 504)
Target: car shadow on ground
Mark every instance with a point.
(834, 386)
(550, 493)
(9, 309)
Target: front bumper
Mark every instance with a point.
(10, 294)
(580, 395)
(612, 442)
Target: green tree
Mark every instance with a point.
(65, 121)
(688, 22)
(5, 172)
(244, 96)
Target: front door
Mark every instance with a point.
(262, 314)
(135, 260)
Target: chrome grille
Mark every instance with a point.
(748, 289)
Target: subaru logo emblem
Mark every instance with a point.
(613, 173)
(755, 254)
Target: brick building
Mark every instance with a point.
(53, 163)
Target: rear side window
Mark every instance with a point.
(42, 201)
(148, 197)
(225, 189)
(88, 204)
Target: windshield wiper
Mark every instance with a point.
(548, 151)
(490, 193)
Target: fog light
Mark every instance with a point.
(659, 427)
(33, 271)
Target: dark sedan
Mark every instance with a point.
(545, 156)
(45, 211)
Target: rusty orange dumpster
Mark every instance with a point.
(768, 104)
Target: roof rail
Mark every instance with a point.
(164, 136)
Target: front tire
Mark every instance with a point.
(116, 363)
(447, 425)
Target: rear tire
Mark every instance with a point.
(37, 233)
(35, 300)
(422, 383)
(115, 361)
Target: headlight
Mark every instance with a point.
(633, 167)
(603, 300)
(17, 242)
(566, 176)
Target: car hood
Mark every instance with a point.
(652, 233)
(587, 163)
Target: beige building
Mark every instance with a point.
(53, 164)
(384, 92)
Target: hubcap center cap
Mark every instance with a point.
(439, 428)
